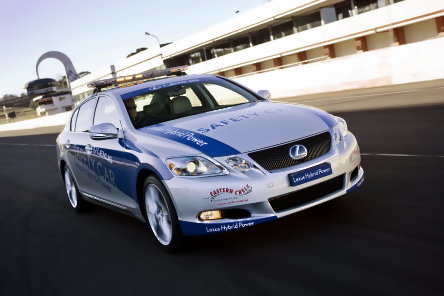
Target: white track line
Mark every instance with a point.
(402, 155)
(22, 144)
(370, 95)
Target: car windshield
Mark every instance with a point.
(175, 100)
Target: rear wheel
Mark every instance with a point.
(74, 197)
(161, 215)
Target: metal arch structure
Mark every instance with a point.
(71, 72)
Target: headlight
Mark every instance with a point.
(340, 130)
(194, 166)
(239, 164)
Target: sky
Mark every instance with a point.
(94, 33)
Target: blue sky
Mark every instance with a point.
(95, 33)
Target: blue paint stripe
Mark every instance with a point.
(205, 144)
(354, 187)
(154, 85)
(195, 228)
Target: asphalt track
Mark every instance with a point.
(386, 238)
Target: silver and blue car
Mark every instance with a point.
(199, 154)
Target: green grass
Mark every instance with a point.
(21, 114)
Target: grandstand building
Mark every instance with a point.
(305, 46)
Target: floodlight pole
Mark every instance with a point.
(149, 34)
(6, 113)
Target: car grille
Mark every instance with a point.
(306, 195)
(278, 157)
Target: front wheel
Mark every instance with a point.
(74, 197)
(161, 215)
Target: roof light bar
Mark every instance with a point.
(99, 84)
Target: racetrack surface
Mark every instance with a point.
(385, 238)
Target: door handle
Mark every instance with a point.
(88, 149)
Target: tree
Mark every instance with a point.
(61, 82)
(8, 97)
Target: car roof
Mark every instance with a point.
(121, 91)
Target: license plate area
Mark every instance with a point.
(310, 174)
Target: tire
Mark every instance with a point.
(161, 215)
(75, 199)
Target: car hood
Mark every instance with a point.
(244, 128)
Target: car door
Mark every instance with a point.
(79, 153)
(114, 164)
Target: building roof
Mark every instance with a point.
(40, 83)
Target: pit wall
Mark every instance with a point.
(44, 121)
(419, 61)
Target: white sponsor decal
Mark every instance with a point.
(102, 174)
(156, 87)
(311, 175)
(189, 136)
(233, 119)
(102, 154)
(227, 227)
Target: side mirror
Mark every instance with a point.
(104, 131)
(264, 93)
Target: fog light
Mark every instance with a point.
(210, 215)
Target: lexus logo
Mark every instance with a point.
(298, 152)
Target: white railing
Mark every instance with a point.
(281, 67)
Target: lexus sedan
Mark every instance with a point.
(201, 154)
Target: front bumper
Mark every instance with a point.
(252, 191)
